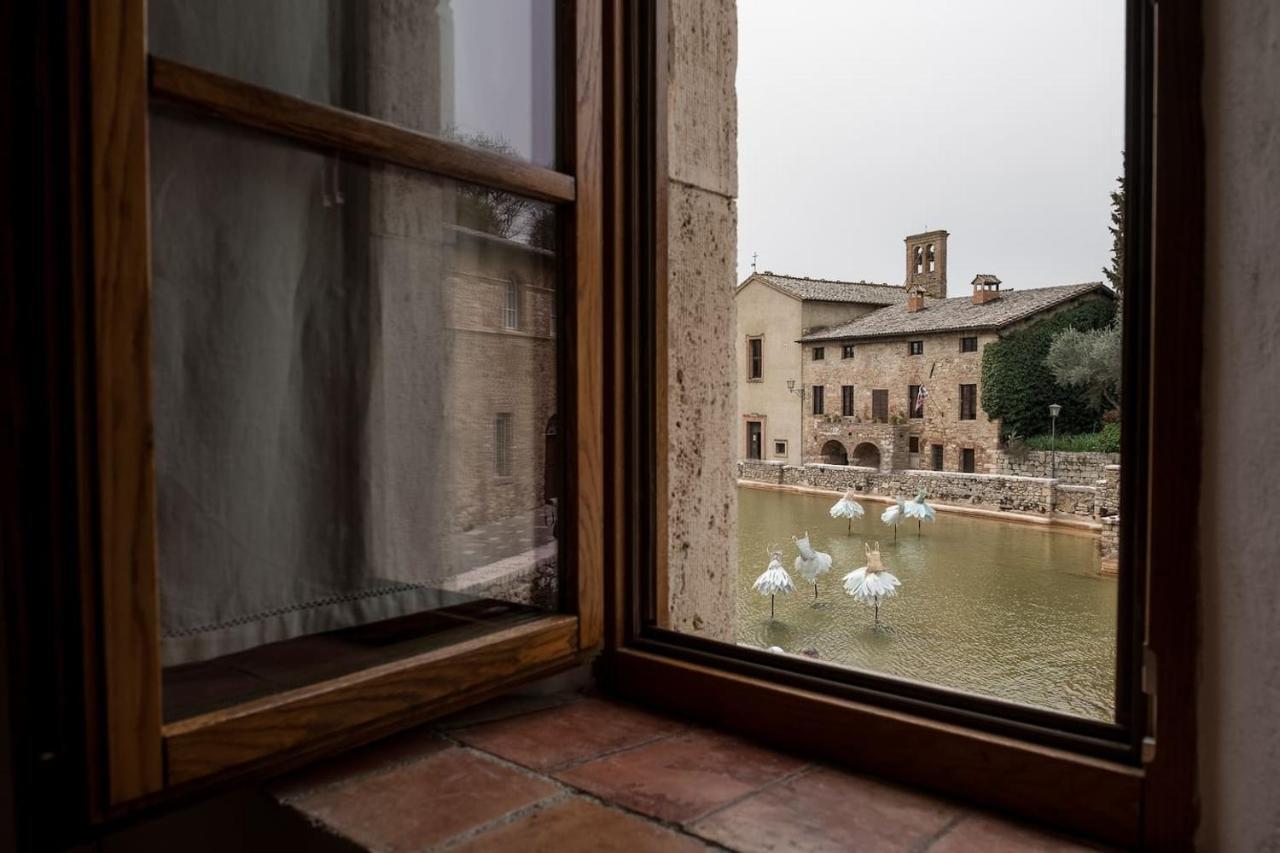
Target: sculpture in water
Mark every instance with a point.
(873, 581)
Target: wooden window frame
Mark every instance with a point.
(880, 414)
(848, 400)
(966, 338)
(819, 394)
(752, 374)
(1137, 791)
(847, 351)
(915, 347)
(968, 401)
(143, 757)
(819, 353)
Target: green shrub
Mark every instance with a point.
(1017, 385)
(1106, 440)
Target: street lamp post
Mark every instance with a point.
(1054, 410)
(791, 386)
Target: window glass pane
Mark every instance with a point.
(346, 431)
(480, 71)
(931, 147)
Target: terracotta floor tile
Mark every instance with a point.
(981, 833)
(568, 735)
(828, 810)
(379, 757)
(681, 777)
(425, 802)
(581, 825)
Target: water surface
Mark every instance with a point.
(1009, 610)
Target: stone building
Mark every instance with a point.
(773, 312)
(500, 315)
(831, 371)
(901, 387)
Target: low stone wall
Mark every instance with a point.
(1011, 494)
(1076, 469)
(1075, 500)
(1109, 545)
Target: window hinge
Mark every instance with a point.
(1149, 686)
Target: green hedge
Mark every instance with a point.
(1106, 440)
(1017, 386)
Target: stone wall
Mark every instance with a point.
(1081, 469)
(702, 499)
(1037, 495)
(886, 365)
(1075, 500)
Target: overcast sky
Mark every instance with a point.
(863, 121)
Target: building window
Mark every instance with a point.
(915, 347)
(968, 402)
(780, 448)
(755, 438)
(755, 358)
(915, 401)
(511, 307)
(969, 344)
(846, 351)
(819, 353)
(880, 405)
(818, 405)
(919, 256)
(913, 444)
(932, 258)
(846, 400)
(502, 436)
(966, 460)
(936, 450)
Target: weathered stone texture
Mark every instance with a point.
(702, 257)
(988, 491)
(702, 101)
(1076, 468)
(702, 499)
(885, 365)
(1075, 500)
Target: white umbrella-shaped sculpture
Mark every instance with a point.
(919, 510)
(775, 580)
(811, 563)
(848, 508)
(873, 581)
(893, 516)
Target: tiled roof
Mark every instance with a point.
(957, 314)
(825, 290)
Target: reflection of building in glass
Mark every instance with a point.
(501, 403)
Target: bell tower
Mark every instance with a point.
(927, 263)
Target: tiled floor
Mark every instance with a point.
(571, 772)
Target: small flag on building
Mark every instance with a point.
(918, 405)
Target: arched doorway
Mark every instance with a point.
(833, 453)
(866, 455)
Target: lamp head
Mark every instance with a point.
(1054, 409)
(791, 385)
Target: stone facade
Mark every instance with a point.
(702, 499)
(500, 370)
(885, 365)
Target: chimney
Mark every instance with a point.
(915, 300)
(986, 288)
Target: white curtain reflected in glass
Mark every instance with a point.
(330, 357)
